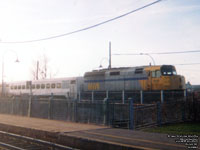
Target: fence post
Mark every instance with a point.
(12, 111)
(75, 111)
(104, 110)
(113, 114)
(141, 97)
(29, 105)
(162, 96)
(50, 106)
(185, 95)
(107, 94)
(92, 96)
(123, 96)
(159, 119)
(29, 84)
(107, 112)
(183, 111)
(79, 96)
(131, 114)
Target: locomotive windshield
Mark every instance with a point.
(168, 70)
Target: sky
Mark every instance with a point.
(167, 26)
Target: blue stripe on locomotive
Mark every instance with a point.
(120, 79)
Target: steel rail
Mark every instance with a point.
(10, 146)
(37, 141)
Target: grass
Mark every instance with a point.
(179, 128)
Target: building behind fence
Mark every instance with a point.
(106, 112)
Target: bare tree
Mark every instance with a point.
(39, 69)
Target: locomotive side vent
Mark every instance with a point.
(139, 71)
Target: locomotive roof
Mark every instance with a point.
(102, 72)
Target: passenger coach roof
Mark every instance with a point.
(44, 80)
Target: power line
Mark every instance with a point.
(86, 28)
(163, 53)
(160, 53)
(178, 52)
(187, 64)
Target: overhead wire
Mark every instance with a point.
(159, 53)
(86, 28)
(187, 64)
(163, 53)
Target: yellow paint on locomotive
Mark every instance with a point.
(143, 84)
(151, 83)
(93, 86)
(152, 68)
(174, 82)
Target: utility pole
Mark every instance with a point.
(37, 71)
(109, 67)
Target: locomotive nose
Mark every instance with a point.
(182, 82)
(178, 82)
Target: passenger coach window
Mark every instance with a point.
(23, 86)
(12, 87)
(58, 85)
(19, 87)
(38, 86)
(47, 85)
(65, 84)
(33, 86)
(72, 82)
(15, 87)
(53, 85)
(43, 86)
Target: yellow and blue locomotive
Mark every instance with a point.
(146, 78)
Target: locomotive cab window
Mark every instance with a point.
(153, 74)
(168, 70)
(156, 74)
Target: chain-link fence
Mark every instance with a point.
(105, 112)
(142, 97)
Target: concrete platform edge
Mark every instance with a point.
(64, 139)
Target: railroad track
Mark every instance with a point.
(10, 141)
